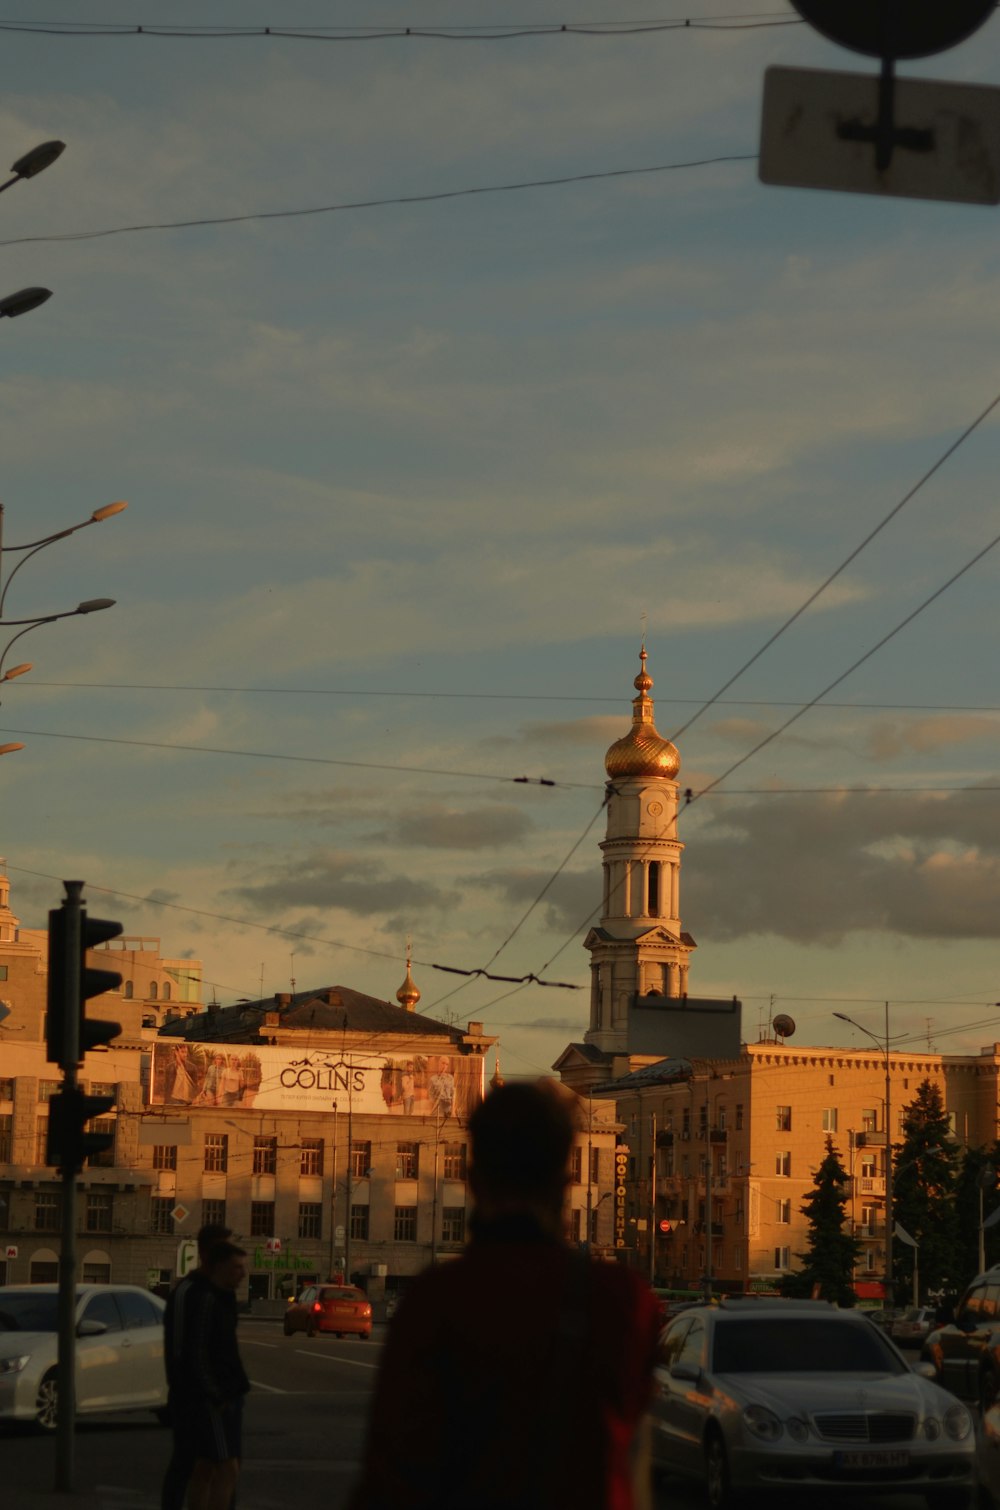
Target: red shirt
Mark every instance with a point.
(514, 1376)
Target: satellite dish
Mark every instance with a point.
(784, 1025)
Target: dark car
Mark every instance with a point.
(966, 1352)
(340, 1309)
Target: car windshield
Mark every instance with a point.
(27, 1311)
(801, 1344)
(340, 1295)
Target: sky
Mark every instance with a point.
(408, 482)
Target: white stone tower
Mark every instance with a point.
(638, 950)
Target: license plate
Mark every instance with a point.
(871, 1457)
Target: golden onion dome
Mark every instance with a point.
(408, 995)
(642, 752)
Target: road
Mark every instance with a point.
(304, 1429)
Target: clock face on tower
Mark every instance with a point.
(655, 809)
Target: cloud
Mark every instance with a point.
(568, 903)
(327, 881)
(440, 827)
(816, 869)
(892, 737)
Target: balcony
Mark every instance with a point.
(670, 1184)
(718, 1135)
(869, 1184)
(868, 1230)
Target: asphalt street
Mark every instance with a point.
(304, 1431)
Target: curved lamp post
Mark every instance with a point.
(883, 1048)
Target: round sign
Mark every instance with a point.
(666, 1226)
(894, 29)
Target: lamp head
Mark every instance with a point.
(94, 605)
(42, 156)
(9, 676)
(7, 749)
(25, 299)
(108, 511)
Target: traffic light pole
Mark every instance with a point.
(66, 1376)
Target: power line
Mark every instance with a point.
(368, 204)
(852, 556)
(483, 32)
(510, 697)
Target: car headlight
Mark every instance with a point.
(932, 1428)
(797, 1429)
(957, 1422)
(13, 1365)
(762, 1422)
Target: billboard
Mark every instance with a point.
(237, 1076)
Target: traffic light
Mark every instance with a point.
(69, 1145)
(69, 1032)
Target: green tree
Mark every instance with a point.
(925, 1182)
(829, 1261)
(977, 1177)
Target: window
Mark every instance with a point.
(128, 991)
(361, 1160)
(166, 990)
(869, 1120)
(103, 1308)
(105, 1159)
(216, 1152)
(783, 1164)
(160, 1219)
(686, 1122)
(653, 888)
(152, 990)
(830, 1119)
(782, 1211)
(104, 1088)
(783, 1119)
(165, 1156)
(310, 1219)
(261, 1218)
(739, 1116)
(97, 1216)
(782, 1258)
(869, 1260)
(213, 1213)
(6, 1089)
(723, 1117)
(454, 1161)
(47, 1089)
(359, 1223)
(47, 1209)
(404, 1225)
(576, 1164)
(97, 1274)
(407, 1161)
(265, 1154)
(41, 1140)
(453, 1224)
(6, 1138)
(311, 1161)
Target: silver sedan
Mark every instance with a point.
(119, 1351)
(797, 1397)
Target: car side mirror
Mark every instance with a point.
(690, 1372)
(91, 1328)
(924, 1370)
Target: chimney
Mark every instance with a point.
(334, 999)
(283, 1000)
(272, 1019)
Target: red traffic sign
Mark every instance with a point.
(891, 29)
(666, 1226)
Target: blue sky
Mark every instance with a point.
(403, 481)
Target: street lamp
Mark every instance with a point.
(40, 157)
(883, 1049)
(13, 305)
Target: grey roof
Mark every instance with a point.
(330, 1009)
(664, 1072)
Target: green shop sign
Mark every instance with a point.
(286, 1259)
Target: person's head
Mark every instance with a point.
(521, 1138)
(226, 1265)
(208, 1236)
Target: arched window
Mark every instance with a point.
(653, 889)
(152, 990)
(166, 990)
(128, 990)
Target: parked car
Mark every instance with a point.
(795, 1397)
(966, 1352)
(119, 1351)
(914, 1326)
(341, 1309)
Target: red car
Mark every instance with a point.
(339, 1309)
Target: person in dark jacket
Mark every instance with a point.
(181, 1464)
(206, 1379)
(517, 1376)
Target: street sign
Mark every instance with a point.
(180, 1214)
(273, 1245)
(949, 147)
(10, 1251)
(890, 29)
(187, 1256)
(338, 1235)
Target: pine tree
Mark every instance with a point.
(829, 1262)
(977, 1177)
(925, 1180)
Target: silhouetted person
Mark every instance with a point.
(517, 1376)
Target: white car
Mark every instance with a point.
(119, 1351)
(793, 1398)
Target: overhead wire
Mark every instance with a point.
(369, 204)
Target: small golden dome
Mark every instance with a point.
(408, 995)
(642, 752)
